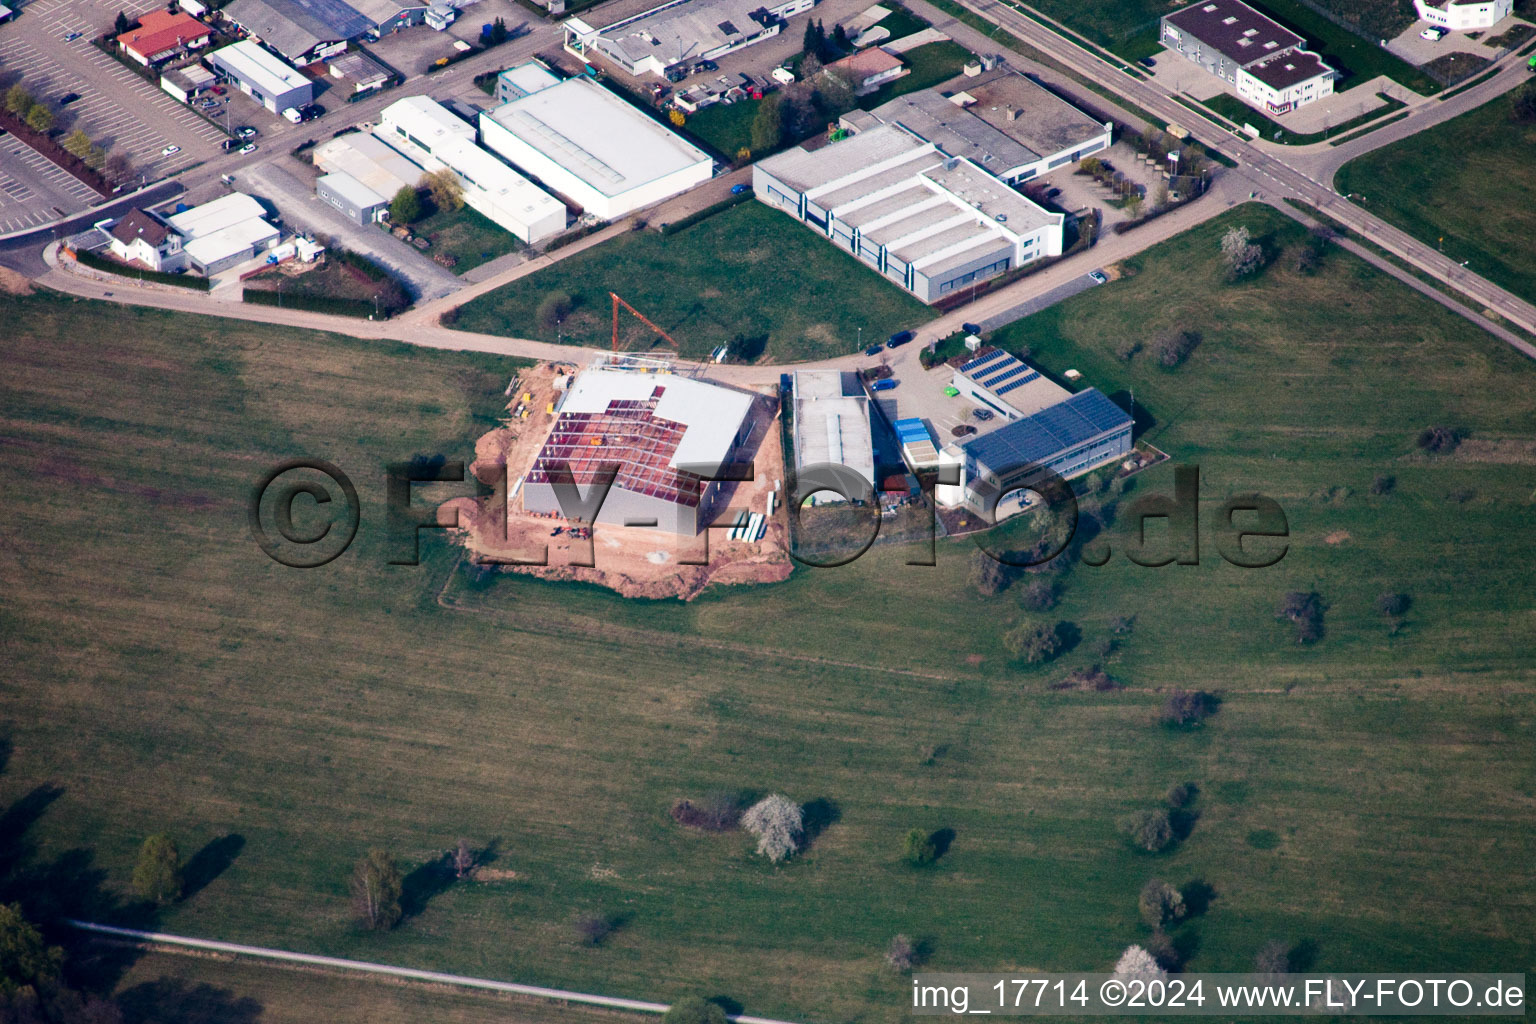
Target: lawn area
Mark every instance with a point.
(725, 127)
(1378, 19)
(340, 281)
(1484, 155)
(469, 237)
(1365, 796)
(931, 64)
(1359, 59)
(724, 276)
(901, 22)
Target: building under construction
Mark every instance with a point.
(659, 434)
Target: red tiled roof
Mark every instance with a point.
(867, 64)
(160, 31)
(138, 224)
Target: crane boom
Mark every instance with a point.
(617, 302)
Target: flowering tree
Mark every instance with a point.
(779, 825)
(1136, 962)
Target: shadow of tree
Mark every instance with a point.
(425, 882)
(15, 847)
(1198, 896)
(174, 1001)
(818, 816)
(209, 863)
(942, 840)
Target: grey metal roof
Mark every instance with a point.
(954, 130)
(294, 27)
(1234, 29)
(1035, 440)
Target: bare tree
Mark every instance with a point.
(1273, 958)
(779, 824)
(463, 859)
(376, 890)
(901, 955)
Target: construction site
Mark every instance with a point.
(612, 474)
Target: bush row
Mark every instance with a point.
(90, 259)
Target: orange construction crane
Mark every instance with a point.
(617, 302)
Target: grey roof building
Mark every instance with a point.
(1266, 62)
(359, 203)
(1000, 120)
(301, 30)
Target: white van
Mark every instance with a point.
(292, 114)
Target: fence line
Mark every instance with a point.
(411, 973)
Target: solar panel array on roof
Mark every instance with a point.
(992, 356)
(1009, 379)
(1035, 440)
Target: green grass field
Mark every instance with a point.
(725, 127)
(930, 64)
(468, 236)
(1483, 154)
(724, 276)
(1370, 797)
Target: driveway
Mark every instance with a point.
(295, 199)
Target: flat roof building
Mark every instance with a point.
(1005, 384)
(368, 160)
(1002, 121)
(224, 233)
(265, 78)
(661, 433)
(524, 79)
(301, 30)
(162, 35)
(432, 136)
(356, 201)
(186, 82)
(867, 70)
(1067, 438)
(1266, 62)
(931, 223)
(584, 143)
(679, 31)
(361, 70)
(832, 425)
(1463, 15)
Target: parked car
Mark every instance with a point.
(218, 90)
(887, 384)
(962, 429)
(971, 328)
(1433, 34)
(899, 338)
(738, 189)
(983, 414)
(248, 149)
(707, 65)
(245, 131)
(1097, 277)
(1052, 193)
(1148, 62)
(68, 98)
(311, 111)
(229, 144)
(874, 350)
(676, 75)
(71, 37)
(170, 151)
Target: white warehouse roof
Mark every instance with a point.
(596, 136)
(259, 68)
(220, 229)
(711, 414)
(427, 120)
(370, 161)
(832, 421)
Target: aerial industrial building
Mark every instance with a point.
(661, 434)
(588, 145)
(1463, 15)
(432, 136)
(1001, 121)
(224, 233)
(832, 425)
(1267, 63)
(162, 35)
(930, 222)
(301, 30)
(261, 76)
(661, 37)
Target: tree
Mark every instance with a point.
(463, 859)
(1240, 253)
(121, 24)
(835, 95)
(553, 309)
(78, 143)
(919, 848)
(1151, 831)
(677, 117)
(1187, 708)
(376, 890)
(745, 348)
(1174, 347)
(779, 824)
(498, 31)
(840, 39)
(1305, 611)
(157, 875)
(989, 576)
(743, 156)
(1160, 195)
(1391, 604)
(1136, 962)
(25, 959)
(1040, 595)
(40, 119)
(1161, 904)
(1179, 795)
(810, 67)
(445, 188)
(694, 1010)
(1133, 205)
(1383, 483)
(1523, 107)
(18, 100)
(1273, 958)
(118, 166)
(901, 954)
(1439, 440)
(594, 928)
(406, 207)
(767, 125)
(1034, 643)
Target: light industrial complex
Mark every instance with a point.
(658, 38)
(928, 221)
(1267, 63)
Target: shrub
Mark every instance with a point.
(1172, 349)
(989, 576)
(1127, 350)
(406, 207)
(1305, 612)
(1160, 904)
(1136, 962)
(553, 309)
(376, 890)
(717, 812)
(1122, 625)
(1274, 957)
(1093, 679)
(1393, 604)
(1040, 595)
(1240, 254)
(919, 848)
(1151, 830)
(1179, 795)
(1439, 440)
(1383, 484)
(592, 929)
(157, 875)
(779, 824)
(694, 1010)
(901, 954)
(1185, 709)
(1034, 643)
